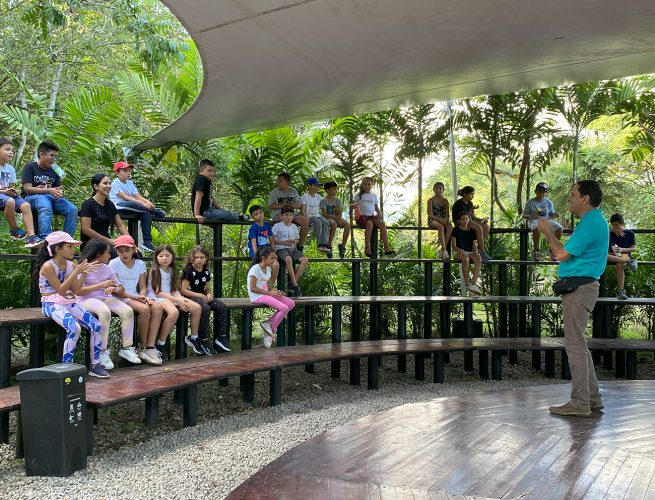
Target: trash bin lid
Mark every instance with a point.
(52, 372)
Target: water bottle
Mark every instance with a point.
(60, 171)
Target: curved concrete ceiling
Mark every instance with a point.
(269, 63)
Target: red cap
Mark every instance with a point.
(122, 164)
(124, 240)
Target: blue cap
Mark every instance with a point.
(313, 181)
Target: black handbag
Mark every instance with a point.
(569, 284)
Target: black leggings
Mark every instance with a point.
(221, 317)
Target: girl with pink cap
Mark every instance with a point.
(59, 282)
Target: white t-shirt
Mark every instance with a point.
(117, 186)
(165, 284)
(128, 277)
(311, 204)
(283, 232)
(262, 280)
(7, 176)
(367, 203)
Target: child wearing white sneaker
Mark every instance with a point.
(163, 286)
(465, 247)
(131, 272)
(98, 294)
(258, 282)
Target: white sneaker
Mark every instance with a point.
(267, 327)
(106, 361)
(445, 255)
(474, 289)
(153, 354)
(144, 354)
(129, 353)
(268, 340)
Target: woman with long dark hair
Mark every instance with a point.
(98, 213)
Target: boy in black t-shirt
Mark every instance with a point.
(43, 191)
(622, 243)
(203, 205)
(465, 247)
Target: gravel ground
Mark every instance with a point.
(232, 439)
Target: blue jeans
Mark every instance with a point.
(46, 205)
(144, 215)
(220, 214)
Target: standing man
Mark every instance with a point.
(582, 261)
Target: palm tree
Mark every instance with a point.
(422, 131)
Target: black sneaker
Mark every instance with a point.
(297, 291)
(161, 349)
(222, 344)
(194, 344)
(342, 251)
(206, 347)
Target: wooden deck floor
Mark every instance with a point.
(502, 444)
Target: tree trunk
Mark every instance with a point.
(525, 164)
(451, 149)
(23, 104)
(54, 92)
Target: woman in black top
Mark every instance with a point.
(480, 226)
(98, 213)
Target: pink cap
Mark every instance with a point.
(124, 240)
(60, 237)
(122, 164)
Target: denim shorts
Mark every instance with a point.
(4, 198)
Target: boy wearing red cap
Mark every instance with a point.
(127, 199)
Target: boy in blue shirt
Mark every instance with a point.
(127, 199)
(10, 200)
(259, 235)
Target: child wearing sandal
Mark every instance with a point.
(59, 281)
(258, 288)
(163, 287)
(369, 216)
(99, 295)
(196, 285)
(466, 251)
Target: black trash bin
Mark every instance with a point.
(54, 419)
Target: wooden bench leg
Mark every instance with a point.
(373, 372)
(607, 360)
(152, 410)
(483, 364)
(536, 360)
(4, 427)
(402, 334)
(248, 387)
(468, 361)
(497, 365)
(91, 420)
(438, 367)
(550, 364)
(620, 364)
(37, 346)
(419, 366)
(20, 449)
(566, 369)
(190, 408)
(354, 371)
(335, 366)
(275, 386)
(5, 357)
(309, 334)
(631, 365)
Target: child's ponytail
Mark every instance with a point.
(46, 253)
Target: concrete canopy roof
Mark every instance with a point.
(270, 63)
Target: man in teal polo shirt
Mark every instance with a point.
(584, 256)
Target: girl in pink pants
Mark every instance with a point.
(259, 277)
